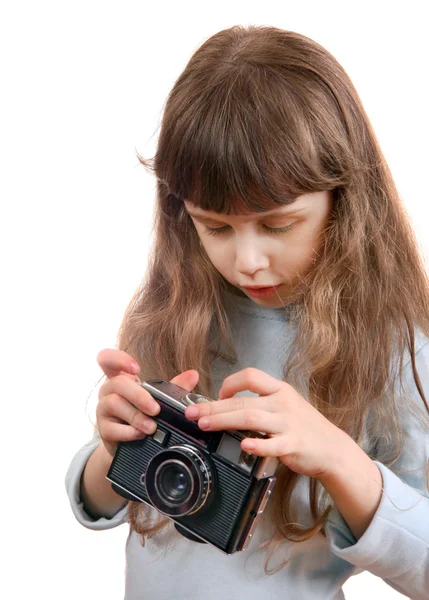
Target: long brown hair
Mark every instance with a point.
(261, 115)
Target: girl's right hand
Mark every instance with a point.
(124, 407)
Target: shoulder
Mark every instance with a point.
(421, 349)
(407, 383)
(421, 341)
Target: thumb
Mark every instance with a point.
(187, 380)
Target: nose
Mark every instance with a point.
(250, 257)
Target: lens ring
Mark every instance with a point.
(203, 468)
(173, 482)
(196, 466)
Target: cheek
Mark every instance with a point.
(313, 243)
(219, 256)
(301, 249)
(216, 251)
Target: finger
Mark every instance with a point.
(187, 380)
(274, 446)
(251, 379)
(236, 403)
(116, 432)
(242, 420)
(114, 361)
(133, 393)
(140, 397)
(118, 408)
(132, 377)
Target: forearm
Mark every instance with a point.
(355, 486)
(97, 494)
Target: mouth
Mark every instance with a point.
(260, 287)
(262, 292)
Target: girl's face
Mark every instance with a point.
(248, 251)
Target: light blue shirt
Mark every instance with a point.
(395, 545)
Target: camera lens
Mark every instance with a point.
(179, 481)
(174, 482)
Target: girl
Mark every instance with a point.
(269, 175)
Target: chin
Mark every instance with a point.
(271, 302)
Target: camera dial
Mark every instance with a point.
(191, 398)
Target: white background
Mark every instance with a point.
(82, 88)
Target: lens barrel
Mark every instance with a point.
(179, 480)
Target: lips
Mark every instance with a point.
(259, 287)
(262, 292)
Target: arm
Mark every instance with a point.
(106, 500)
(355, 486)
(98, 497)
(386, 530)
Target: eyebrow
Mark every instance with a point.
(274, 213)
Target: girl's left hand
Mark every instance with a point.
(299, 435)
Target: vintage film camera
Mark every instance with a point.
(202, 480)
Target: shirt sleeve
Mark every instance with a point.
(72, 482)
(395, 546)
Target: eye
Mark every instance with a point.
(271, 230)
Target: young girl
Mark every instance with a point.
(269, 175)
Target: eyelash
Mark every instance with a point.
(271, 230)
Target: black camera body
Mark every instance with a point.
(202, 480)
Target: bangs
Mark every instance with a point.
(236, 147)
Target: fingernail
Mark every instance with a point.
(192, 411)
(249, 445)
(150, 426)
(154, 408)
(135, 368)
(204, 423)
